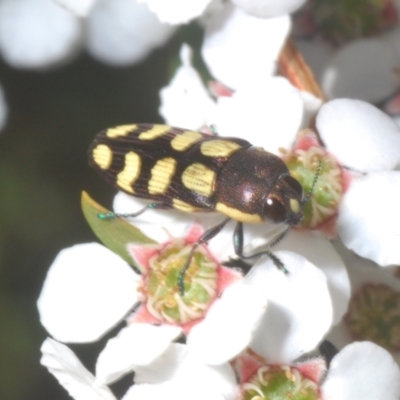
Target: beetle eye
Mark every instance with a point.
(274, 210)
(294, 184)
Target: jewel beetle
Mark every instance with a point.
(193, 171)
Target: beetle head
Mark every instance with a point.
(284, 203)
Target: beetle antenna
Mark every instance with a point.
(280, 237)
(314, 183)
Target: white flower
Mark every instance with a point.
(362, 370)
(351, 374)
(89, 289)
(115, 32)
(186, 89)
(181, 12)
(270, 8)
(41, 33)
(37, 33)
(298, 315)
(185, 374)
(71, 374)
(177, 11)
(172, 375)
(258, 113)
(238, 46)
(365, 140)
(371, 288)
(255, 112)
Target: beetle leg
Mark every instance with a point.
(151, 206)
(205, 237)
(238, 239)
(238, 247)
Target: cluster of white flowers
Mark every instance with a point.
(368, 63)
(279, 318)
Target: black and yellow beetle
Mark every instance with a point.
(193, 171)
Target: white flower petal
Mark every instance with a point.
(185, 102)
(362, 370)
(320, 252)
(359, 135)
(236, 316)
(146, 391)
(258, 113)
(238, 47)
(369, 215)
(165, 368)
(312, 104)
(179, 365)
(299, 309)
(157, 224)
(123, 32)
(137, 344)
(176, 11)
(36, 33)
(79, 7)
(87, 291)
(351, 73)
(71, 374)
(172, 390)
(270, 8)
(219, 379)
(363, 271)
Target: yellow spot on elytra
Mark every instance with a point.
(122, 130)
(294, 205)
(184, 140)
(199, 178)
(181, 205)
(102, 156)
(127, 177)
(237, 214)
(155, 132)
(161, 175)
(219, 148)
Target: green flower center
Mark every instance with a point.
(279, 383)
(374, 315)
(201, 278)
(328, 190)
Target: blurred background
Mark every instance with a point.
(54, 114)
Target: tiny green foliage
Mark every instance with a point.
(114, 233)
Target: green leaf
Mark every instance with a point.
(114, 233)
